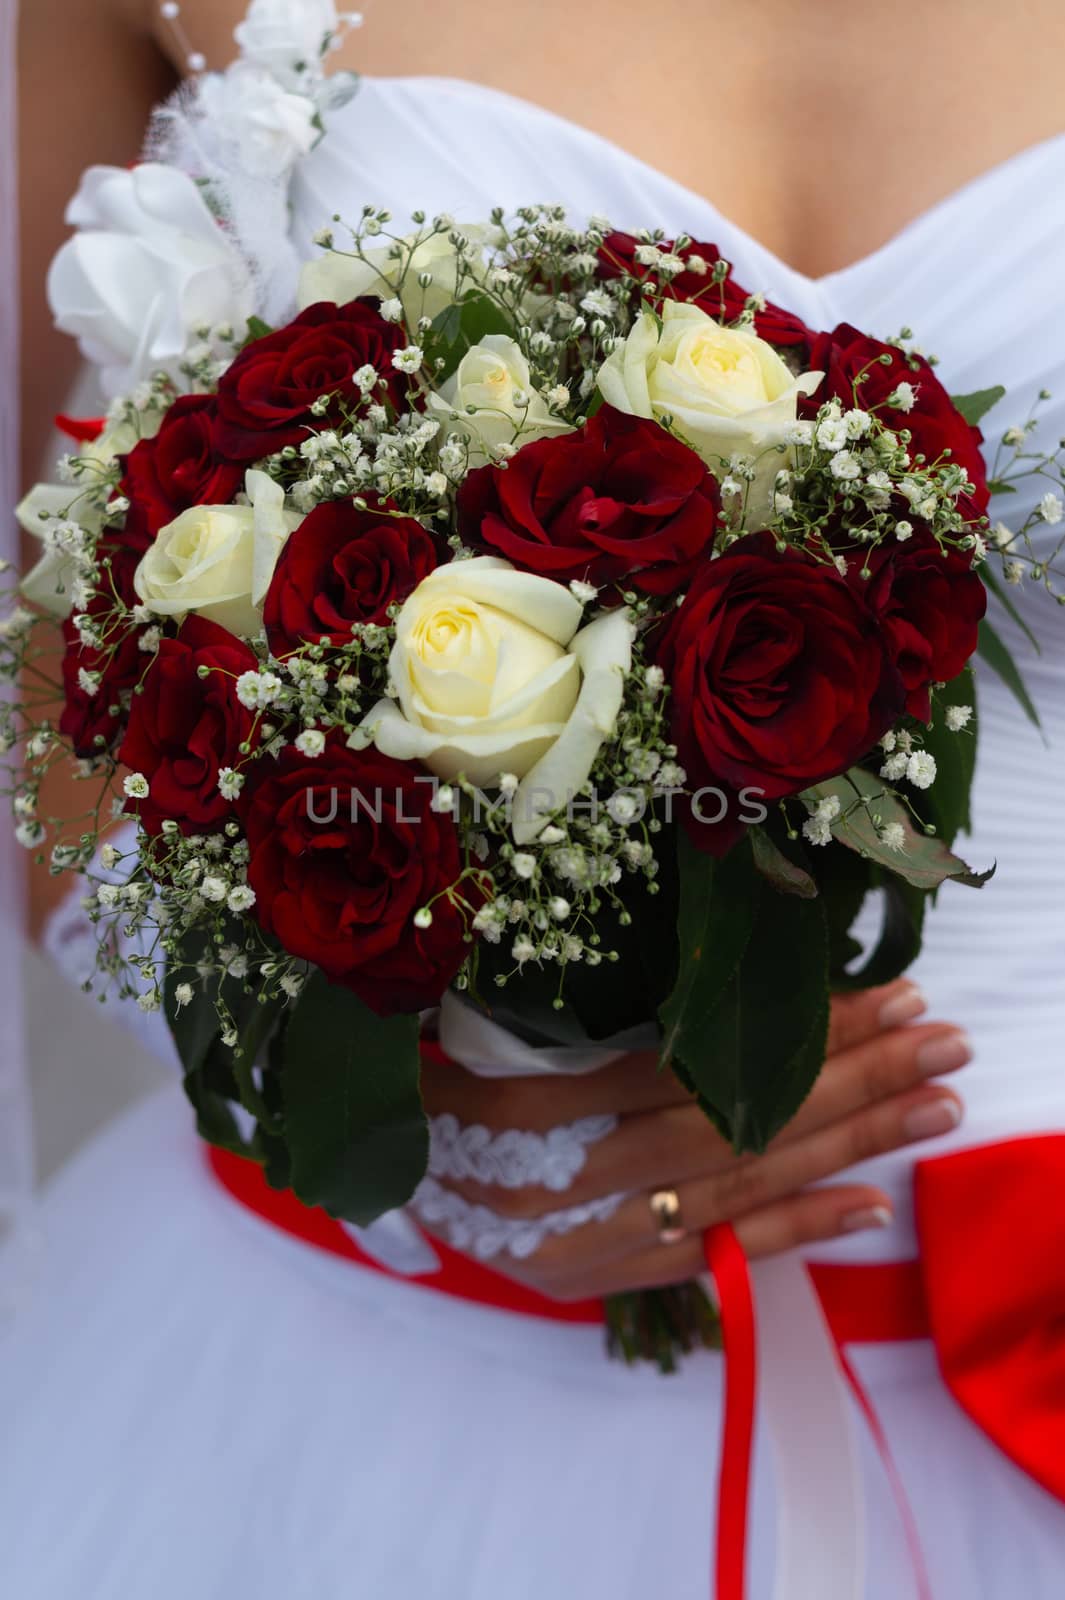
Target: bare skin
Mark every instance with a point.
(852, 122)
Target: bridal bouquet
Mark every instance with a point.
(536, 615)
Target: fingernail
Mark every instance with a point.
(903, 1007)
(871, 1217)
(931, 1119)
(945, 1053)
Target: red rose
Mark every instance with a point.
(724, 301)
(181, 466)
(856, 375)
(343, 566)
(616, 501)
(779, 678)
(93, 722)
(265, 398)
(929, 603)
(342, 891)
(183, 728)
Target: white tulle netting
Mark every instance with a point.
(239, 134)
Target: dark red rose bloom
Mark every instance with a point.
(724, 301)
(779, 675)
(181, 466)
(183, 728)
(265, 398)
(856, 376)
(342, 891)
(93, 722)
(344, 566)
(929, 603)
(617, 500)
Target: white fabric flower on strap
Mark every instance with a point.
(287, 37)
(149, 266)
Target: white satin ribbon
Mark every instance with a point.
(808, 1413)
(484, 1048)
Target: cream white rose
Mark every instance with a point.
(493, 676)
(218, 560)
(494, 378)
(54, 512)
(727, 390)
(338, 277)
(147, 268)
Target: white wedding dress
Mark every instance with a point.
(195, 1405)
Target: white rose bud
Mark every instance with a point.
(494, 378)
(218, 560)
(726, 389)
(494, 681)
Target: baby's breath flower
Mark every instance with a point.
(392, 310)
(958, 717)
(903, 398)
(136, 786)
(921, 769)
(1051, 509)
(845, 466)
(230, 783)
(892, 835)
(310, 743)
(241, 898)
(409, 359)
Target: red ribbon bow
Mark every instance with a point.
(991, 1225)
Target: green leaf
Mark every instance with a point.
(258, 329)
(975, 406)
(844, 880)
(899, 943)
(356, 1132)
(997, 486)
(747, 1023)
(715, 918)
(925, 861)
(461, 325)
(946, 805)
(785, 875)
(1000, 660)
(998, 589)
(215, 1074)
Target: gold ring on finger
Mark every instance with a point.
(665, 1209)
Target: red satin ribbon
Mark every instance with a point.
(83, 430)
(989, 1289)
(727, 1262)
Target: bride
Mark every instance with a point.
(197, 1403)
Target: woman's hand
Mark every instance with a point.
(872, 1096)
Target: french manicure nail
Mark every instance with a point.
(871, 1217)
(903, 1007)
(945, 1053)
(932, 1118)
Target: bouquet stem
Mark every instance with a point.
(661, 1325)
